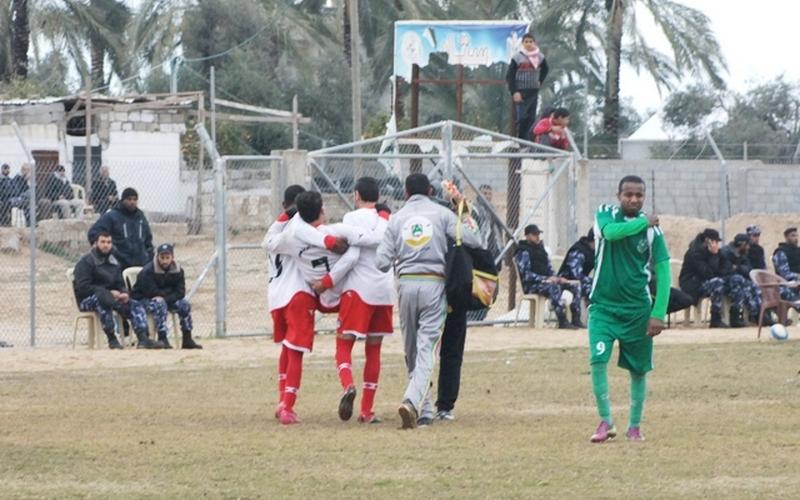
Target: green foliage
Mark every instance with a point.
(689, 108)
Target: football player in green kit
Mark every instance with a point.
(629, 245)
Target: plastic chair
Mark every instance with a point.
(130, 275)
(79, 193)
(92, 321)
(770, 285)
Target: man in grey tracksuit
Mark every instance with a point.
(416, 242)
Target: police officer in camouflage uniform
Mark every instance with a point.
(786, 259)
(739, 282)
(537, 276)
(99, 287)
(579, 263)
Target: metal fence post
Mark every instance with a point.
(32, 232)
(221, 244)
(447, 148)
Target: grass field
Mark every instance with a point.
(722, 420)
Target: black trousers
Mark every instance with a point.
(526, 113)
(451, 352)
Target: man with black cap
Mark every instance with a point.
(537, 276)
(161, 287)
(128, 226)
(704, 274)
(739, 282)
(579, 262)
(786, 259)
(756, 252)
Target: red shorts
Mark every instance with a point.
(358, 318)
(293, 324)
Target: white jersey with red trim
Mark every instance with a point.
(285, 277)
(315, 262)
(373, 286)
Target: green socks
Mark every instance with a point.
(600, 389)
(638, 395)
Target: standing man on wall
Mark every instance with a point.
(526, 73)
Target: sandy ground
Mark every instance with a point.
(241, 350)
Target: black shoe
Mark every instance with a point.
(767, 321)
(578, 324)
(566, 325)
(189, 343)
(716, 321)
(113, 343)
(424, 421)
(163, 339)
(146, 343)
(736, 318)
(346, 403)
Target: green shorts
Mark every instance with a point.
(630, 329)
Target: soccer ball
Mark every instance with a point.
(779, 332)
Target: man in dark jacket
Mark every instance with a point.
(99, 287)
(6, 193)
(527, 71)
(128, 226)
(704, 274)
(161, 287)
(579, 263)
(786, 259)
(57, 193)
(104, 192)
(537, 276)
(737, 253)
(756, 252)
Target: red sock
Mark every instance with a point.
(372, 370)
(344, 360)
(283, 360)
(294, 372)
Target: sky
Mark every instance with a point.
(759, 40)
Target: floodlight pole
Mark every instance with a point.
(355, 68)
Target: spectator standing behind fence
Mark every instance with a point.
(128, 226)
(57, 194)
(161, 287)
(6, 192)
(99, 287)
(20, 189)
(104, 192)
(526, 74)
(552, 130)
(786, 259)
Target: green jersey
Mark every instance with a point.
(622, 262)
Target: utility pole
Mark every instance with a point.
(355, 68)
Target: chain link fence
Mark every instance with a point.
(177, 202)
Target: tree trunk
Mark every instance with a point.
(98, 56)
(346, 33)
(613, 60)
(20, 37)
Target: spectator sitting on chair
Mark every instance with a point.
(579, 263)
(20, 191)
(737, 253)
(705, 273)
(99, 287)
(786, 259)
(128, 226)
(58, 194)
(6, 192)
(537, 276)
(161, 287)
(104, 192)
(551, 130)
(756, 253)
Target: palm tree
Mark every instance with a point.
(20, 36)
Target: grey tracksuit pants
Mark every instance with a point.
(422, 314)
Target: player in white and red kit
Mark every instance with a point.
(365, 310)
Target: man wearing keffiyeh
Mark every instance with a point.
(526, 73)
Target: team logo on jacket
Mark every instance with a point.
(417, 232)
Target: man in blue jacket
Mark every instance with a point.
(129, 229)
